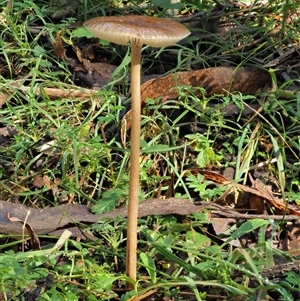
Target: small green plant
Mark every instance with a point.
(203, 146)
(291, 284)
(198, 184)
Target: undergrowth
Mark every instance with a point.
(56, 150)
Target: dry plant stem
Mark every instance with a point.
(131, 255)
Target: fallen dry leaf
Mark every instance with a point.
(4, 96)
(218, 80)
(277, 203)
(38, 181)
(257, 191)
(210, 175)
(256, 204)
(103, 69)
(59, 49)
(34, 240)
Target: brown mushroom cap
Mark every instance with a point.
(155, 32)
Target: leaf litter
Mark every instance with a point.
(239, 202)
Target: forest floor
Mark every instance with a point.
(219, 163)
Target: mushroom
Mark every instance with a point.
(136, 30)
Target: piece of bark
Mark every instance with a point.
(50, 219)
(218, 80)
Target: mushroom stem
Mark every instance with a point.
(134, 177)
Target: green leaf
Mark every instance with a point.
(160, 148)
(81, 32)
(162, 249)
(110, 199)
(246, 228)
(197, 238)
(149, 265)
(166, 4)
(103, 280)
(38, 50)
